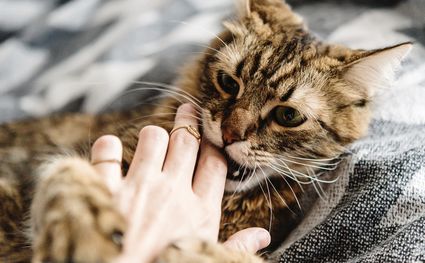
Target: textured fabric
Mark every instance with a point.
(84, 55)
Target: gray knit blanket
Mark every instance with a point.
(83, 55)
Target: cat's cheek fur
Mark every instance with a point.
(212, 129)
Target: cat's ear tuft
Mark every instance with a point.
(376, 69)
(269, 11)
(243, 8)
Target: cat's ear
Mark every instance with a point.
(375, 69)
(269, 11)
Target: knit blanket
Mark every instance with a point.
(84, 55)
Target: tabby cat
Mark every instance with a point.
(279, 102)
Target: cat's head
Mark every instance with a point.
(280, 102)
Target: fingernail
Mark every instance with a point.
(263, 237)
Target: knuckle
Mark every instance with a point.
(214, 164)
(183, 138)
(186, 108)
(152, 132)
(106, 142)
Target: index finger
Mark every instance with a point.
(210, 176)
(105, 151)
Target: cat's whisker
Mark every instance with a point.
(244, 166)
(213, 49)
(278, 194)
(269, 202)
(162, 89)
(303, 175)
(202, 28)
(161, 114)
(306, 164)
(317, 162)
(161, 96)
(319, 190)
(291, 172)
(237, 187)
(322, 162)
(270, 198)
(291, 176)
(283, 176)
(172, 94)
(168, 87)
(251, 175)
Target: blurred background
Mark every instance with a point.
(82, 55)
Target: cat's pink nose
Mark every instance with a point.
(231, 135)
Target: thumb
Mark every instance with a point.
(249, 240)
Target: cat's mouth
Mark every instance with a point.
(237, 172)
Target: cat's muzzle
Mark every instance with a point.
(237, 172)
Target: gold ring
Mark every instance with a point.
(107, 161)
(190, 129)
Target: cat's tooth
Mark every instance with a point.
(236, 173)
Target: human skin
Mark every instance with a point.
(162, 184)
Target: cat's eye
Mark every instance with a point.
(288, 117)
(227, 83)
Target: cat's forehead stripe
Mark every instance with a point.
(287, 95)
(240, 67)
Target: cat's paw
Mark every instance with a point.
(73, 217)
(196, 251)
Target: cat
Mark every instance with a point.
(280, 103)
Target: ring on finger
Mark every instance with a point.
(192, 130)
(107, 161)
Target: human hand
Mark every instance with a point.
(163, 197)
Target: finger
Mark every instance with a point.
(150, 154)
(210, 175)
(106, 155)
(249, 240)
(183, 147)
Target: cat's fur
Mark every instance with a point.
(268, 51)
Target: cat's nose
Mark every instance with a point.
(237, 126)
(231, 135)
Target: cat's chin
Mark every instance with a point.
(237, 172)
(241, 178)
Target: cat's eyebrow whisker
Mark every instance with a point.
(164, 95)
(174, 92)
(167, 122)
(168, 87)
(163, 114)
(216, 50)
(202, 28)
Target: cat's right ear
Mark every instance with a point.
(376, 69)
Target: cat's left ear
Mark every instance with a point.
(376, 69)
(269, 11)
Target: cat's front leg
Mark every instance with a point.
(73, 218)
(197, 251)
